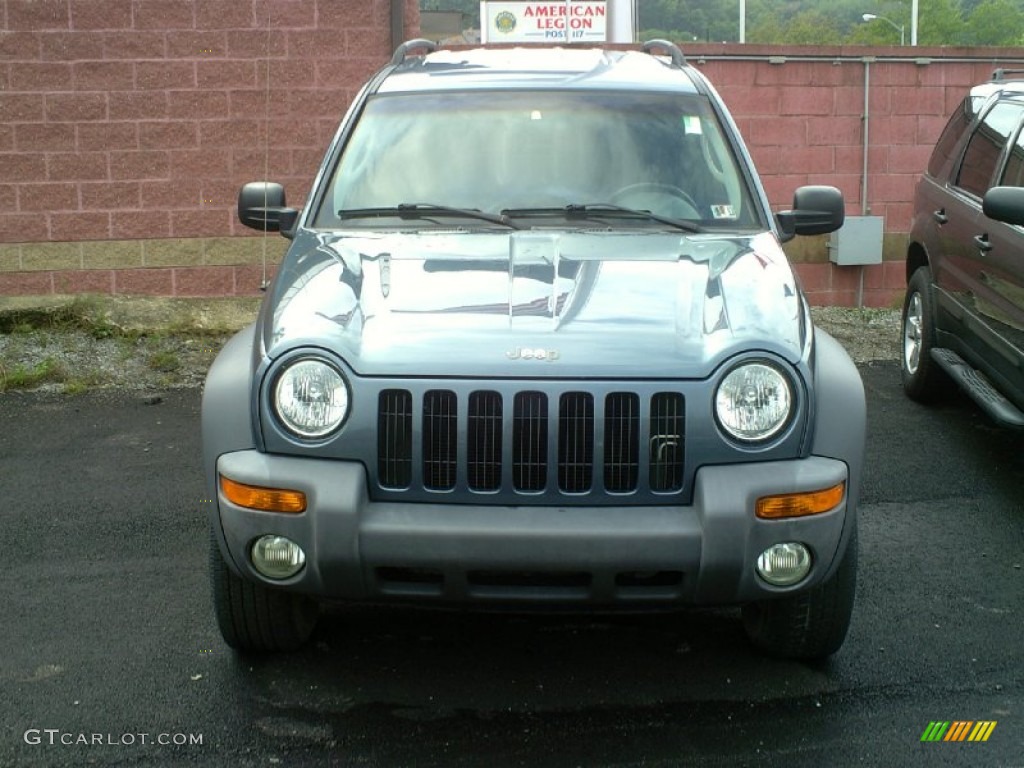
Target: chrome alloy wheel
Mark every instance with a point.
(912, 334)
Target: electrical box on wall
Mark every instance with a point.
(858, 241)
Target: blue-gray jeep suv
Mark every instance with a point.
(535, 343)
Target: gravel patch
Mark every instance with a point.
(154, 345)
(69, 344)
(74, 360)
(866, 334)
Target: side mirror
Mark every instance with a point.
(817, 210)
(261, 205)
(1004, 204)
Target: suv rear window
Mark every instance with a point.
(1013, 173)
(986, 146)
(958, 124)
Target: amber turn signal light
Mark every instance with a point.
(263, 499)
(800, 504)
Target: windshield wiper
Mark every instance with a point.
(601, 211)
(425, 211)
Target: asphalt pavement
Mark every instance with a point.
(110, 654)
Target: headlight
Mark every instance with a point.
(310, 398)
(754, 401)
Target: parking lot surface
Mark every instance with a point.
(111, 655)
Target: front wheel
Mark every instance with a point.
(923, 379)
(807, 625)
(252, 617)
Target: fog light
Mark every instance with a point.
(277, 557)
(783, 565)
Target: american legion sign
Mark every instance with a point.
(574, 21)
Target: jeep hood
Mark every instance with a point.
(535, 303)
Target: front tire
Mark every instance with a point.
(252, 617)
(923, 379)
(808, 625)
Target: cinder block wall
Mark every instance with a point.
(127, 127)
(803, 114)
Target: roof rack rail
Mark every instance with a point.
(1001, 73)
(670, 48)
(410, 45)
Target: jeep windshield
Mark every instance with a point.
(545, 157)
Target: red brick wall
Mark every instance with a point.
(803, 121)
(127, 126)
(124, 119)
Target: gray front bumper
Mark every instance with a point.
(700, 553)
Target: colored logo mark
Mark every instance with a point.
(958, 730)
(505, 22)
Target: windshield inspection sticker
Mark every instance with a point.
(691, 125)
(723, 212)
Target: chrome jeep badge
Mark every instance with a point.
(526, 353)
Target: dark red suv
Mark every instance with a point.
(963, 317)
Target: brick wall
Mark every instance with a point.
(127, 126)
(801, 112)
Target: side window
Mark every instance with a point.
(955, 128)
(985, 147)
(1013, 173)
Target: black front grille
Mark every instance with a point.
(621, 441)
(530, 442)
(483, 441)
(394, 438)
(575, 442)
(440, 440)
(666, 441)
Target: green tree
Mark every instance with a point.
(809, 27)
(995, 22)
(940, 22)
(813, 28)
(766, 30)
(707, 20)
(878, 32)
